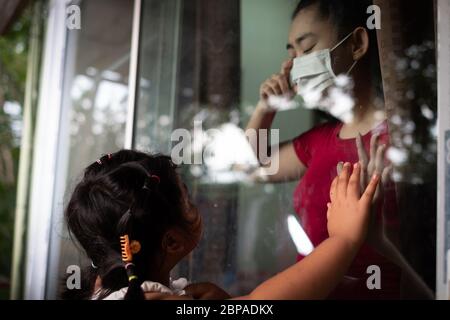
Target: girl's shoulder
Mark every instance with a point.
(176, 288)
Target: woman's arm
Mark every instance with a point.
(289, 166)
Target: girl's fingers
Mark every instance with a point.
(333, 189)
(339, 167)
(328, 211)
(343, 181)
(366, 198)
(353, 188)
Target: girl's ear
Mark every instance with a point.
(360, 40)
(173, 242)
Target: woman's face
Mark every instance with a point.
(310, 32)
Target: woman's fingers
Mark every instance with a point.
(275, 86)
(266, 91)
(281, 81)
(372, 154)
(379, 159)
(286, 67)
(363, 160)
(362, 155)
(284, 85)
(373, 145)
(366, 198)
(386, 174)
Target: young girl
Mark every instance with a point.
(132, 215)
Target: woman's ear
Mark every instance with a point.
(173, 242)
(360, 43)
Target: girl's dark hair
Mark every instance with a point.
(117, 196)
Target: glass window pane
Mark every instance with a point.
(194, 70)
(201, 67)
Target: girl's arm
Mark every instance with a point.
(318, 274)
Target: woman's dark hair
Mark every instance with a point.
(118, 196)
(346, 15)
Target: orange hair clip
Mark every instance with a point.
(127, 256)
(129, 248)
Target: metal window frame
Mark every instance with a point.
(133, 77)
(443, 221)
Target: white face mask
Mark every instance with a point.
(313, 72)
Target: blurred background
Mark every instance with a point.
(136, 70)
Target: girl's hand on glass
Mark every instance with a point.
(349, 212)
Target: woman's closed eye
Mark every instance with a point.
(309, 50)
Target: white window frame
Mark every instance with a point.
(45, 151)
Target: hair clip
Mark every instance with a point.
(135, 246)
(127, 256)
(129, 248)
(109, 155)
